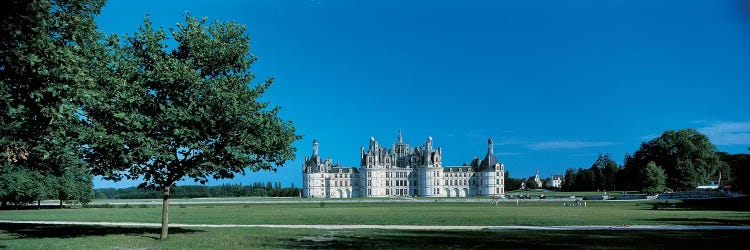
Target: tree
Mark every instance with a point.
(654, 179)
(739, 165)
(47, 48)
(531, 184)
(512, 183)
(569, 181)
(687, 157)
(20, 186)
(74, 186)
(584, 180)
(190, 112)
(607, 170)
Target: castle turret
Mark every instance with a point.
(489, 162)
(315, 148)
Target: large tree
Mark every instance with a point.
(20, 186)
(606, 170)
(739, 171)
(47, 51)
(569, 181)
(687, 157)
(189, 110)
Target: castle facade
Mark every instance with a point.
(402, 171)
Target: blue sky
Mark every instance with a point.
(554, 83)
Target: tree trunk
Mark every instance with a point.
(165, 214)
(61, 205)
(38, 204)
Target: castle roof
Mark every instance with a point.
(488, 163)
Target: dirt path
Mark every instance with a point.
(396, 227)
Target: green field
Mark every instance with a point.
(538, 213)
(93, 237)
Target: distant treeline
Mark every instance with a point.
(257, 189)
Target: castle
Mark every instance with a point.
(402, 171)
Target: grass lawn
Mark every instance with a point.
(537, 213)
(29, 236)
(26, 236)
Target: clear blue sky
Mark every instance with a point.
(554, 83)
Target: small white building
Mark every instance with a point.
(557, 181)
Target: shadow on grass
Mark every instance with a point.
(32, 207)
(704, 221)
(724, 204)
(22, 230)
(522, 239)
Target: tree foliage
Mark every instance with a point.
(606, 172)
(257, 189)
(20, 186)
(47, 48)
(185, 112)
(739, 165)
(569, 181)
(531, 184)
(654, 179)
(602, 175)
(45, 52)
(512, 183)
(687, 157)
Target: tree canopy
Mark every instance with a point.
(654, 179)
(687, 157)
(166, 114)
(47, 49)
(739, 166)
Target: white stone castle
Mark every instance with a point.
(402, 171)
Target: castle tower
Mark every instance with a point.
(490, 146)
(315, 148)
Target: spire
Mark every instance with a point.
(490, 146)
(315, 147)
(400, 138)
